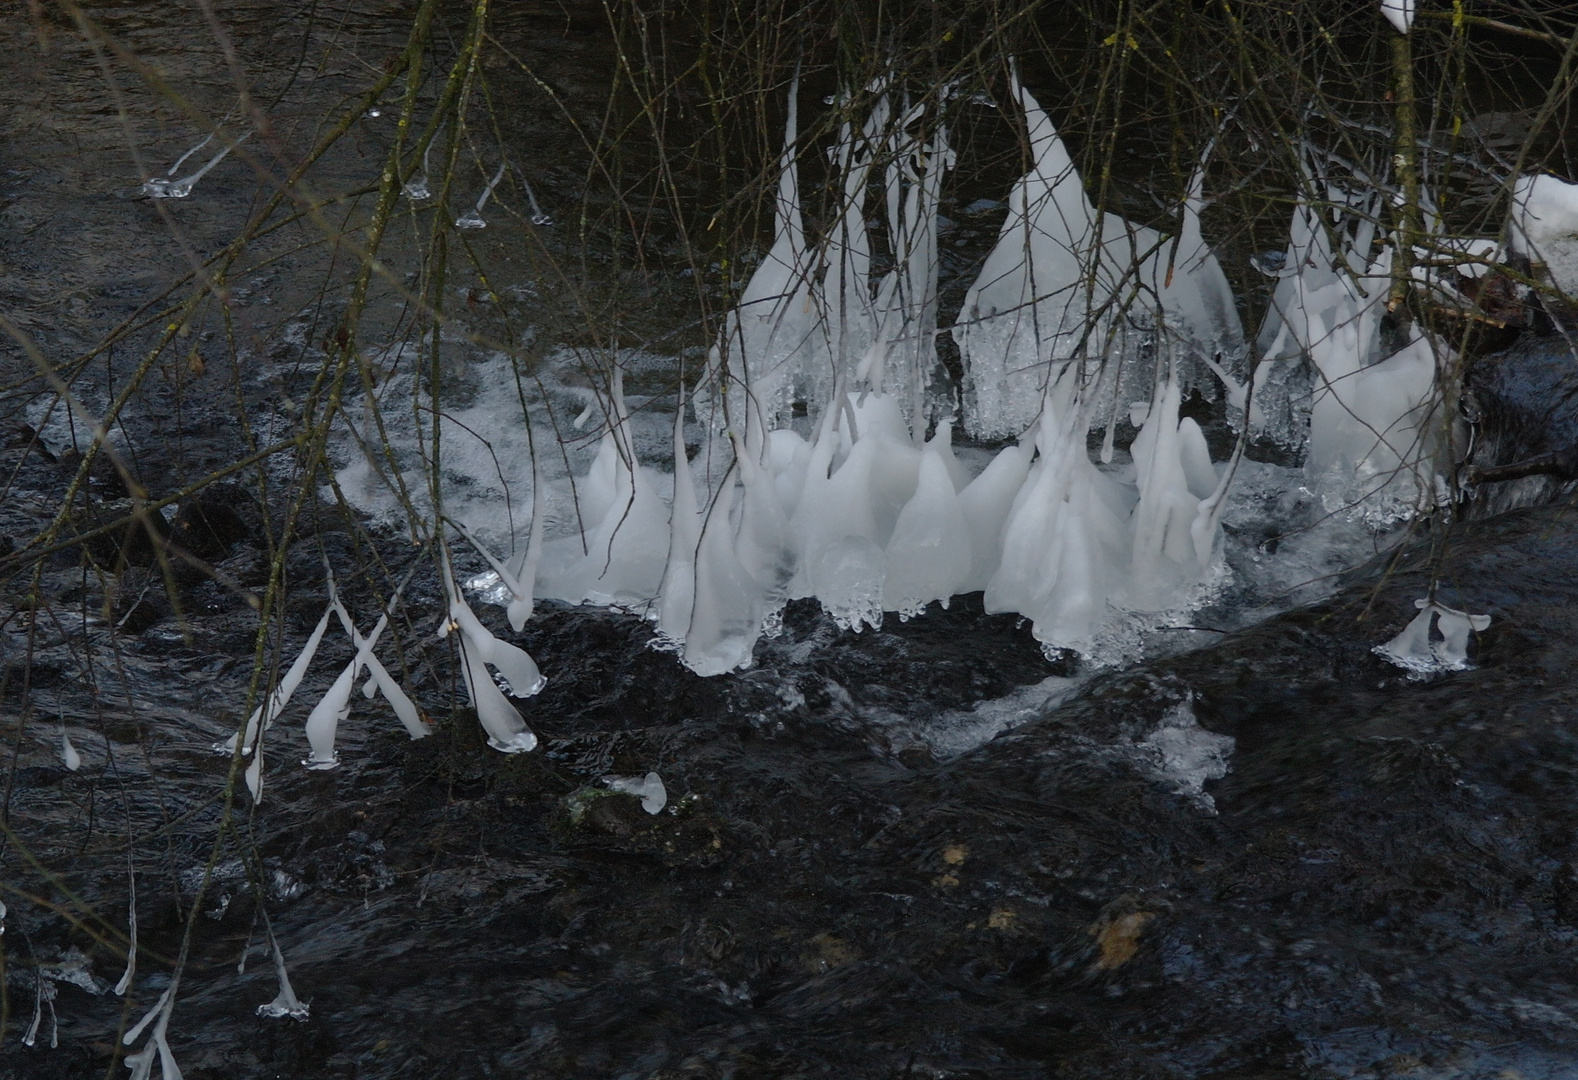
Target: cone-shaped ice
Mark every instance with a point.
(1065, 545)
(614, 560)
(930, 554)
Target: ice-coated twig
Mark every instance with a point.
(378, 677)
(416, 188)
(649, 788)
(472, 219)
(538, 216)
(507, 731)
(141, 1063)
(68, 753)
(163, 187)
(285, 1003)
(324, 722)
(275, 703)
(519, 608)
(131, 953)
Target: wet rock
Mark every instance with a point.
(1525, 402)
(1566, 889)
(209, 522)
(121, 533)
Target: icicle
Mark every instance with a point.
(141, 1064)
(325, 719)
(416, 188)
(131, 927)
(678, 593)
(507, 731)
(38, 1008)
(379, 680)
(1174, 475)
(68, 753)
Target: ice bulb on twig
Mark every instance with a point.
(507, 731)
(285, 1003)
(265, 715)
(1400, 13)
(68, 753)
(538, 216)
(166, 187)
(472, 219)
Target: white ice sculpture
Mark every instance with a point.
(613, 560)
(507, 731)
(1414, 650)
(1371, 421)
(903, 351)
(1175, 478)
(1063, 279)
(1066, 542)
(775, 341)
(1544, 227)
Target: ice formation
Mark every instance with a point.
(68, 753)
(649, 788)
(827, 468)
(1414, 649)
(507, 731)
(285, 1003)
(1372, 422)
(1544, 227)
(1400, 13)
(156, 1048)
(168, 187)
(1066, 283)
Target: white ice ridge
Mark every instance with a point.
(1544, 227)
(1414, 650)
(1066, 282)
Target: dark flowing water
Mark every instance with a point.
(1276, 856)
